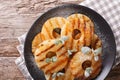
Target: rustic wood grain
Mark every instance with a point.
(16, 17)
(8, 69)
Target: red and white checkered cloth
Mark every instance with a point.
(109, 9)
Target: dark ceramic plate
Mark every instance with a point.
(102, 29)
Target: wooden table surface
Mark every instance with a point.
(16, 17)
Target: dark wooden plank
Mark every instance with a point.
(9, 70)
(8, 47)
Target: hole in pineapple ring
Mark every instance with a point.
(76, 34)
(56, 32)
(86, 64)
(63, 70)
(50, 54)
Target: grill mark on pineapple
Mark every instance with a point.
(71, 19)
(63, 21)
(78, 23)
(73, 23)
(58, 23)
(40, 36)
(84, 29)
(72, 42)
(59, 48)
(91, 31)
(51, 24)
(77, 46)
(66, 31)
(92, 34)
(62, 54)
(54, 67)
(43, 66)
(75, 19)
(88, 21)
(43, 37)
(46, 49)
(48, 33)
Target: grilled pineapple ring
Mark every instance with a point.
(87, 58)
(51, 57)
(81, 61)
(52, 27)
(82, 28)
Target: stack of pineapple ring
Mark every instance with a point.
(68, 49)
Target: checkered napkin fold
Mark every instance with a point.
(109, 9)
